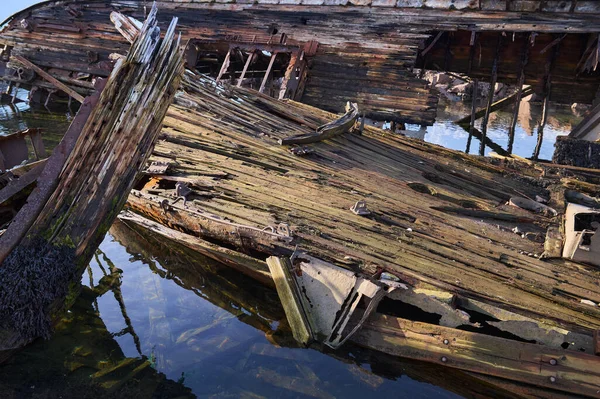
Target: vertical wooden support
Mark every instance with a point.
(474, 93)
(246, 65)
(289, 75)
(520, 83)
(268, 72)
(448, 54)
(2, 163)
(493, 80)
(547, 90)
(225, 66)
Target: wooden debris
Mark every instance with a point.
(329, 130)
(70, 213)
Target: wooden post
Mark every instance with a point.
(225, 66)
(493, 80)
(246, 65)
(520, 83)
(289, 75)
(474, 93)
(448, 54)
(268, 72)
(547, 90)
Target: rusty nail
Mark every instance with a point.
(553, 362)
(552, 379)
(444, 359)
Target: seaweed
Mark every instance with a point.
(32, 278)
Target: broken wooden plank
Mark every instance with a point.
(291, 298)
(57, 83)
(127, 26)
(332, 129)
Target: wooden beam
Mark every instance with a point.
(246, 65)
(289, 76)
(519, 97)
(55, 82)
(493, 80)
(433, 42)
(567, 371)
(290, 296)
(503, 102)
(327, 131)
(225, 66)
(268, 72)
(475, 90)
(549, 67)
(474, 95)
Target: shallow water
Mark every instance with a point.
(156, 320)
(206, 327)
(445, 132)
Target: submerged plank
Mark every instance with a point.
(572, 372)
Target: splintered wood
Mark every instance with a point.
(70, 213)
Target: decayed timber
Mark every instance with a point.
(327, 131)
(571, 372)
(90, 175)
(290, 295)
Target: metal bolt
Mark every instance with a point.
(446, 342)
(553, 362)
(444, 359)
(552, 379)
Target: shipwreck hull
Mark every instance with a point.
(436, 219)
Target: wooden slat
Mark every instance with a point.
(57, 83)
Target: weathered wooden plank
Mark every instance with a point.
(58, 84)
(281, 272)
(571, 372)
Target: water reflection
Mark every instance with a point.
(444, 132)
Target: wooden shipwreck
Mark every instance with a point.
(443, 257)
